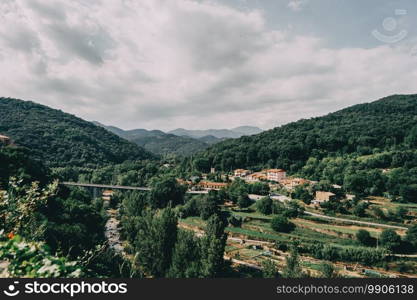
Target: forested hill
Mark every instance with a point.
(386, 124)
(60, 139)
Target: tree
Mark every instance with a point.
(359, 209)
(236, 189)
(292, 268)
(411, 236)
(302, 193)
(202, 165)
(155, 240)
(269, 269)
(390, 240)
(409, 193)
(281, 224)
(133, 203)
(259, 188)
(212, 245)
(20, 208)
(186, 257)
(264, 205)
(207, 207)
(243, 201)
(166, 189)
(328, 270)
(364, 237)
(293, 210)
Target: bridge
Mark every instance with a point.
(97, 187)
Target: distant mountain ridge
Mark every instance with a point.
(159, 142)
(181, 141)
(218, 133)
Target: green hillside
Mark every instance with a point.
(352, 147)
(358, 129)
(60, 139)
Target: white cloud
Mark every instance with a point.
(182, 63)
(297, 5)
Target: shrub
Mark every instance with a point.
(281, 224)
(390, 240)
(364, 237)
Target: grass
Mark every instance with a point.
(334, 228)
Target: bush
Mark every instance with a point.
(364, 237)
(243, 201)
(33, 260)
(264, 206)
(281, 224)
(390, 240)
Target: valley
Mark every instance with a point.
(332, 196)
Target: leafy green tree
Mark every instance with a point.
(259, 188)
(166, 190)
(411, 236)
(293, 268)
(243, 201)
(269, 269)
(134, 203)
(359, 209)
(264, 205)
(155, 241)
(186, 257)
(328, 270)
(364, 237)
(390, 240)
(281, 224)
(79, 225)
(207, 207)
(202, 165)
(293, 210)
(302, 193)
(21, 206)
(409, 193)
(213, 245)
(236, 189)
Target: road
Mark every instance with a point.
(355, 221)
(119, 187)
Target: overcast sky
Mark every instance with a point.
(163, 64)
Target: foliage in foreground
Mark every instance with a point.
(33, 259)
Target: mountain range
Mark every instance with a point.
(218, 133)
(179, 142)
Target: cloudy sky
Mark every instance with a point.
(163, 64)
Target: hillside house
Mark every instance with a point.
(241, 173)
(276, 174)
(5, 140)
(323, 197)
(209, 185)
(256, 177)
(290, 183)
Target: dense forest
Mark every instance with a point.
(369, 148)
(60, 139)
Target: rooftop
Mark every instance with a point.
(275, 170)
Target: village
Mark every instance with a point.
(279, 183)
